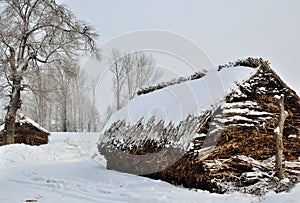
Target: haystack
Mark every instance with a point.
(220, 146)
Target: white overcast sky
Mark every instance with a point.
(226, 29)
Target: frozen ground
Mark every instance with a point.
(66, 171)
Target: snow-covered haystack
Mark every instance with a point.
(224, 142)
(28, 132)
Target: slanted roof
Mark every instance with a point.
(22, 119)
(190, 96)
(176, 112)
(176, 102)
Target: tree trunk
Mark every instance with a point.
(10, 118)
(64, 127)
(118, 96)
(64, 116)
(279, 142)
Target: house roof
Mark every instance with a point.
(22, 119)
(176, 112)
(192, 96)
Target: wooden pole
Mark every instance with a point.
(279, 143)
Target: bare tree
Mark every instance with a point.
(117, 69)
(39, 85)
(131, 72)
(67, 73)
(93, 113)
(38, 101)
(144, 72)
(35, 32)
(61, 98)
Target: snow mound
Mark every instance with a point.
(62, 147)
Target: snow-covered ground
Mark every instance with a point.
(67, 170)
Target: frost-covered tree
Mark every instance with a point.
(35, 32)
(130, 73)
(61, 98)
(117, 70)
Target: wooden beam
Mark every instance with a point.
(279, 132)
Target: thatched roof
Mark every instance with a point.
(206, 129)
(22, 119)
(249, 62)
(167, 108)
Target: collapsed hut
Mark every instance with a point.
(28, 132)
(225, 145)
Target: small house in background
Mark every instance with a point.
(28, 132)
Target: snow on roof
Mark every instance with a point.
(174, 103)
(25, 119)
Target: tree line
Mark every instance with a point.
(41, 43)
(36, 34)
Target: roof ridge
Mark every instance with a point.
(248, 62)
(266, 65)
(25, 119)
(174, 81)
